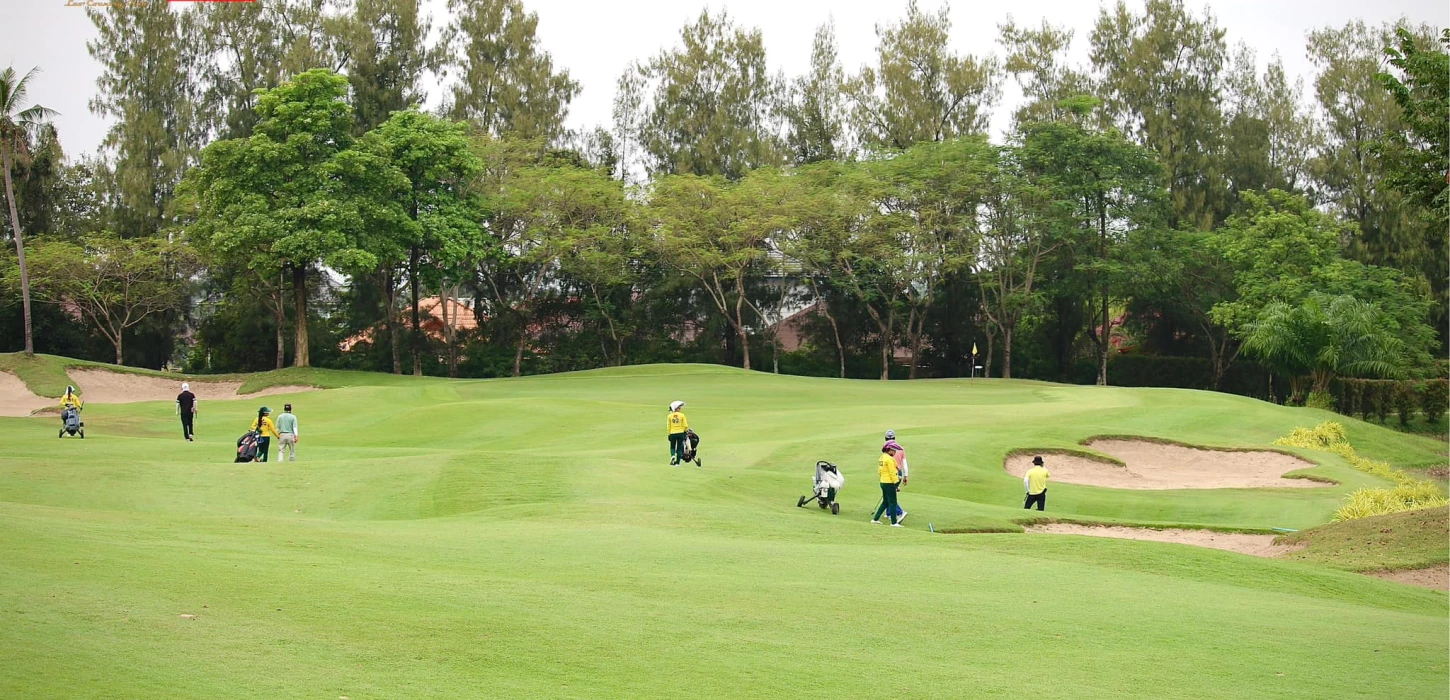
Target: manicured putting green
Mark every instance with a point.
(527, 539)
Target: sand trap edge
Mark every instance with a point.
(1252, 544)
(1298, 474)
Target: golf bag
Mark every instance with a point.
(247, 446)
(824, 486)
(692, 447)
(71, 423)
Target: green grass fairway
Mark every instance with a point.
(527, 539)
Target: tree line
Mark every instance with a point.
(272, 190)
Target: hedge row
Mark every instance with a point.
(1380, 397)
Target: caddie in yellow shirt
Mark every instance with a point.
(1035, 481)
(890, 478)
(679, 426)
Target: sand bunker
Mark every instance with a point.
(1437, 577)
(101, 386)
(1255, 545)
(16, 401)
(1152, 465)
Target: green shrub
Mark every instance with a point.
(1320, 399)
(1405, 400)
(1434, 395)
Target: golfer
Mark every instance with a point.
(287, 430)
(70, 400)
(267, 428)
(186, 408)
(1035, 482)
(901, 468)
(678, 426)
(890, 479)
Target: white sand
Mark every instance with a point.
(16, 401)
(1152, 465)
(101, 386)
(1256, 545)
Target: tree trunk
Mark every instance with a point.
(739, 322)
(1007, 352)
(117, 343)
(613, 333)
(300, 357)
(519, 350)
(991, 348)
(1107, 330)
(450, 331)
(390, 319)
(20, 254)
(417, 325)
(836, 332)
(279, 310)
(1107, 336)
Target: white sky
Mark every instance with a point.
(596, 39)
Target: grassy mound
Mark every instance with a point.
(1411, 540)
(527, 538)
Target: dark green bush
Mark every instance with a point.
(1434, 395)
(1405, 400)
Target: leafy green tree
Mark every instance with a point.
(919, 90)
(1110, 192)
(929, 200)
(1358, 113)
(1037, 60)
(1322, 337)
(388, 51)
(254, 46)
(1283, 250)
(706, 107)
(113, 283)
(296, 193)
(1416, 156)
(1022, 226)
(1269, 132)
(815, 103)
(589, 211)
(18, 123)
(1160, 77)
(715, 232)
(440, 229)
(149, 85)
(506, 83)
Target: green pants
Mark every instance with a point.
(677, 446)
(888, 503)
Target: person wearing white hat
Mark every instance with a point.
(186, 408)
(679, 426)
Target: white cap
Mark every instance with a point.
(677, 405)
(185, 386)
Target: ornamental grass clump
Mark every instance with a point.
(1409, 493)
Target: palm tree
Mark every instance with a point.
(16, 125)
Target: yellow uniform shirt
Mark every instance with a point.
(268, 428)
(887, 469)
(677, 423)
(70, 400)
(1036, 479)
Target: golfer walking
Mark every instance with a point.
(1035, 482)
(287, 432)
(890, 480)
(186, 408)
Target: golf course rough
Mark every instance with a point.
(526, 538)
